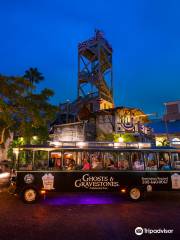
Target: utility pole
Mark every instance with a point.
(166, 125)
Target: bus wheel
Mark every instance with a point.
(30, 195)
(135, 193)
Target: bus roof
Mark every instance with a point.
(97, 147)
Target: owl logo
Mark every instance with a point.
(29, 178)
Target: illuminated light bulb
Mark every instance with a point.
(120, 139)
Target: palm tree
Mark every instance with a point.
(33, 75)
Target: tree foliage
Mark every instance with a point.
(23, 112)
(127, 137)
(162, 141)
(114, 137)
(33, 75)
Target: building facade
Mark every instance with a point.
(99, 125)
(167, 129)
(172, 111)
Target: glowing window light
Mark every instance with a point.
(120, 139)
(81, 144)
(55, 143)
(144, 145)
(35, 137)
(175, 141)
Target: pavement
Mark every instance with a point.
(96, 216)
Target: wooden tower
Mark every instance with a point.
(95, 77)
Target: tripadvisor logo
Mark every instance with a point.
(139, 231)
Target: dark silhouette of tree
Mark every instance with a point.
(34, 76)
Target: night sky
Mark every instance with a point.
(145, 36)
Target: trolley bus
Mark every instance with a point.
(131, 169)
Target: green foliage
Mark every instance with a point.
(109, 137)
(162, 141)
(127, 137)
(25, 113)
(114, 137)
(15, 143)
(165, 143)
(101, 136)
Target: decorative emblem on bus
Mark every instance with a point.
(175, 179)
(149, 188)
(29, 178)
(48, 181)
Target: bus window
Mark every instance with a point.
(55, 160)
(111, 159)
(25, 160)
(164, 161)
(80, 156)
(40, 160)
(137, 161)
(96, 160)
(84, 161)
(150, 161)
(175, 161)
(69, 161)
(86, 164)
(123, 161)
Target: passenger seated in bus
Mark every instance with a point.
(175, 161)
(99, 164)
(137, 164)
(151, 165)
(71, 165)
(165, 165)
(111, 165)
(86, 165)
(66, 163)
(123, 164)
(177, 165)
(29, 167)
(58, 162)
(96, 164)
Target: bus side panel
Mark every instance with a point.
(97, 181)
(163, 180)
(79, 181)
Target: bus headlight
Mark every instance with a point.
(123, 190)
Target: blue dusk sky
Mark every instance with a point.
(144, 34)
